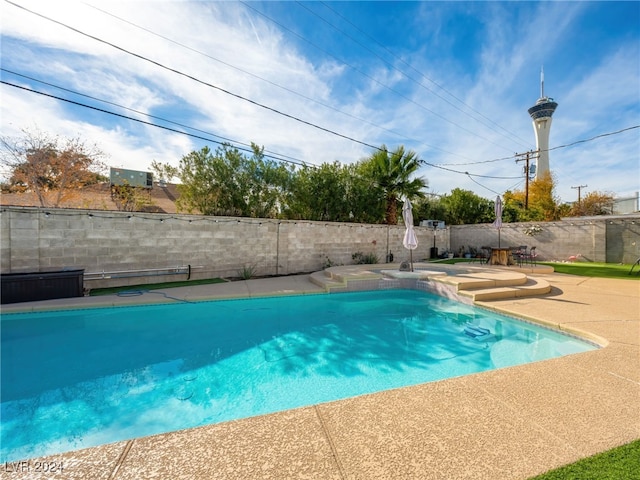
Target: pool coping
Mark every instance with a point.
(521, 421)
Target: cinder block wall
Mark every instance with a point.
(557, 241)
(595, 239)
(35, 239)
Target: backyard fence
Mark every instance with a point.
(121, 248)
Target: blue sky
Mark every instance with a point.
(327, 81)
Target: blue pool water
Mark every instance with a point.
(78, 378)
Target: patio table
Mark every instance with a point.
(501, 256)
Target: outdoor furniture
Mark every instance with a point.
(501, 256)
(530, 257)
(484, 254)
(635, 264)
(516, 256)
(522, 254)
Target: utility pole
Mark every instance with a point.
(579, 188)
(526, 159)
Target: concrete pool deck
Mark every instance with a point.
(511, 423)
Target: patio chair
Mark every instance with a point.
(530, 257)
(516, 254)
(484, 254)
(635, 265)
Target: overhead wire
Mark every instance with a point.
(376, 81)
(278, 156)
(231, 141)
(329, 106)
(483, 186)
(200, 137)
(277, 85)
(191, 77)
(592, 138)
(421, 74)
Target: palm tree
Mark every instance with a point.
(392, 172)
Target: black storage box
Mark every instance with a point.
(29, 287)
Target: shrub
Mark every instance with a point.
(362, 258)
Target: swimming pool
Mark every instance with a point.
(78, 378)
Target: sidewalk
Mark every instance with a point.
(511, 423)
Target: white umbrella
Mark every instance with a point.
(498, 221)
(410, 240)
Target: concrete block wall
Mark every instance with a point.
(35, 239)
(623, 240)
(594, 239)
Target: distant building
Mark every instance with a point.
(541, 114)
(623, 205)
(133, 178)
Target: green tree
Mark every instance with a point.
(199, 188)
(228, 182)
(264, 185)
(465, 207)
(429, 208)
(52, 167)
(512, 206)
(164, 172)
(365, 198)
(129, 198)
(332, 192)
(321, 193)
(393, 172)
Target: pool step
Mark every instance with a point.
(475, 284)
(532, 287)
(476, 280)
(323, 280)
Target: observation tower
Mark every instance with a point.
(541, 114)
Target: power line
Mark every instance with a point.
(592, 138)
(347, 114)
(200, 137)
(376, 81)
(178, 72)
(483, 186)
(373, 39)
(579, 188)
(300, 162)
(566, 145)
(284, 157)
(308, 98)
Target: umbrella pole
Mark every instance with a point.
(499, 237)
(411, 259)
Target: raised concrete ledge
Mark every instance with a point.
(477, 283)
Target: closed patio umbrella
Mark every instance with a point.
(410, 240)
(498, 221)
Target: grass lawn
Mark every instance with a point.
(604, 270)
(155, 286)
(615, 464)
(584, 269)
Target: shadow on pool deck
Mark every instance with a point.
(511, 423)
